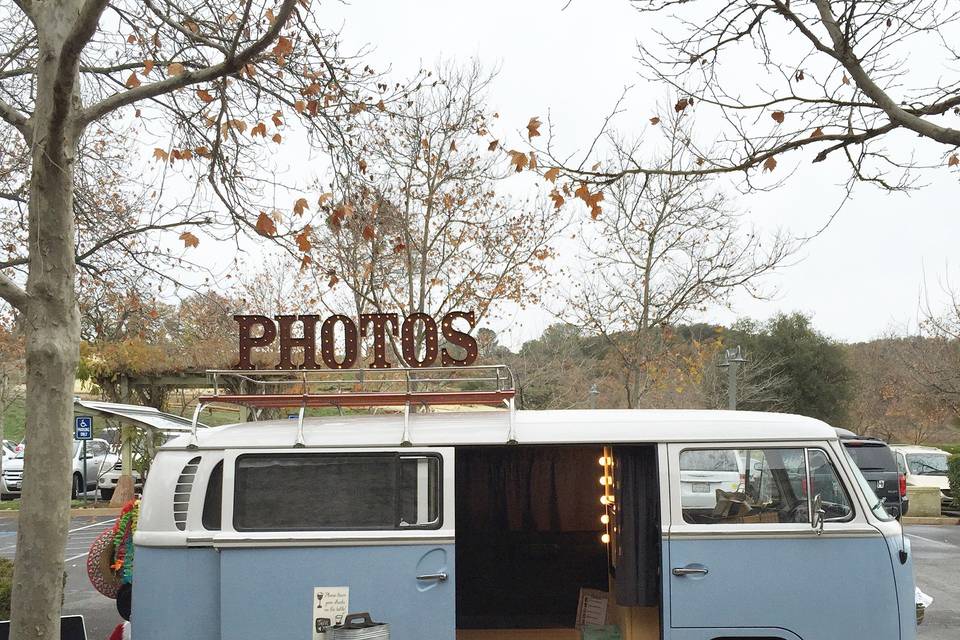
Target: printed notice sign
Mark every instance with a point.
(330, 608)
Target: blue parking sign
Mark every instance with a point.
(83, 428)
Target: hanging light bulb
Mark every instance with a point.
(605, 538)
(603, 500)
(605, 480)
(604, 519)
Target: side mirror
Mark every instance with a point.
(816, 521)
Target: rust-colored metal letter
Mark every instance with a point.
(379, 322)
(458, 338)
(328, 342)
(287, 342)
(248, 342)
(408, 340)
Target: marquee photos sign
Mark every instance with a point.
(258, 331)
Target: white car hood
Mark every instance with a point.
(940, 482)
(15, 464)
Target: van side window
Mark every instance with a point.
(343, 491)
(213, 500)
(758, 486)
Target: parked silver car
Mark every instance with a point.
(99, 460)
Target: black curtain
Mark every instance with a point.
(636, 556)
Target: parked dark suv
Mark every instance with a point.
(879, 467)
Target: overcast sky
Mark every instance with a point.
(863, 276)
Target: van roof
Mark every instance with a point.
(531, 427)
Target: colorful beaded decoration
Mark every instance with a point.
(123, 541)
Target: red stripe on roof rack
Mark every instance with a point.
(363, 399)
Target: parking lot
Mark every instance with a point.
(936, 556)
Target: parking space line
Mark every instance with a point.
(941, 542)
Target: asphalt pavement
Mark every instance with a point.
(936, 562)
(936, 558)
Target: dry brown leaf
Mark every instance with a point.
(133, 81)
(817, 133)
(770, 164)
(362, 165)
(147, 66)
(682, 104)
(160, 154)
(493, 145)
(131, 39)
(654, 120)
(519, 160)
(778, 116)
(299, 105)
(332, 282)
(189, 240)
(283, 47)
(324, 198)
(260, 129)
(202, 151)
(381, 106)
(300, 206)
(303, 239)
(192, 26)
(533, 128)
(205, 95)
(368, 233)
(277, 119)
(552, 174)
(265, 225)
(277, 138)
(532, 163)
(557, 199)
(953, 161)
(175, 69)
(845, 79)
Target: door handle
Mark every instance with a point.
(688, 571)
(440, 577)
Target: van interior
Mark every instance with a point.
(528, 522)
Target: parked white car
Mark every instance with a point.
(110, 477)
(99, 459)
(702, 472)
(924, 467)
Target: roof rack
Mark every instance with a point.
(490, 385)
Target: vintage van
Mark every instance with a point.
(476, 525)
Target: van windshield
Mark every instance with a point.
(876, 504)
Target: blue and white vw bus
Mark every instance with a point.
(487, 524)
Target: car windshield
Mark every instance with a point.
(872, 457)
(876, 504)
(927, 464)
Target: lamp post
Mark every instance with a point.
(731, 361)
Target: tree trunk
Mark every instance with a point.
(52, 322)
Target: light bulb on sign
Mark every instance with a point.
(603, 500)
(604, 519)
(605, 538)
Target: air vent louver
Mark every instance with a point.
(181, 494)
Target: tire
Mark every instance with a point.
(77, 487)
(106, 494)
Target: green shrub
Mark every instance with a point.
(6, 587)
(953, 473)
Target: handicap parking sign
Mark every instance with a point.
(83, 428)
